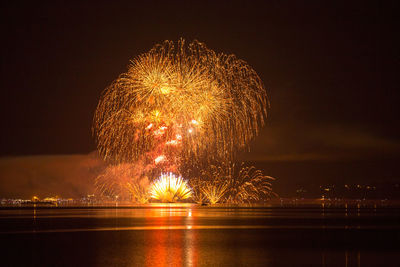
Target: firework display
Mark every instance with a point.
(215, 191)
(230, 183)
(169, 188)
(180, 107)
(180, 101)
(248, 185)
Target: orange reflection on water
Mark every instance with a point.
(171, 247)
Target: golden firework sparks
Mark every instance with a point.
(169, 188)
(233, 184)
(214, 102)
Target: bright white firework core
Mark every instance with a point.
(170, 188)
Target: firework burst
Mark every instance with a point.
(180, 102)
(169, 188)
(215, 190)
(249, 185)
(232, 184)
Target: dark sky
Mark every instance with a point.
(330, 68)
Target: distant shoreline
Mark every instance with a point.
(273, 204)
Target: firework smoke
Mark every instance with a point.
(125, 182)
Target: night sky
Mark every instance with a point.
(330, 69)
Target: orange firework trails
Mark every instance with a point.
(180, 101)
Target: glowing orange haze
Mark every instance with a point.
(64, 175)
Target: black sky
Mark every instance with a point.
(330, 68)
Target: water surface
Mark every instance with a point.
(189, 235)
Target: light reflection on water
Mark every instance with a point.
(189, 235)
(177, 248)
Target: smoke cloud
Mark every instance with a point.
(49, 175)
